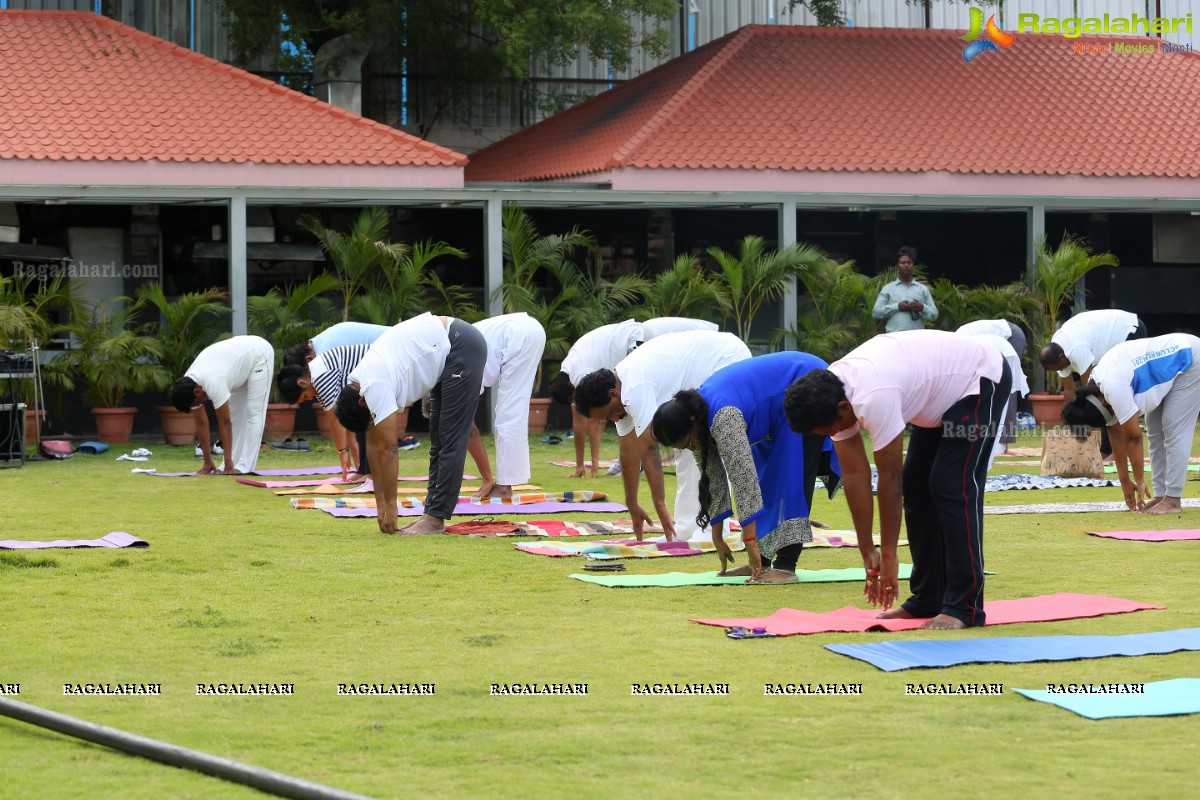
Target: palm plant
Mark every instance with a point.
(25, 307)
(755, 276)
(186, 325)
(1052, 280)
(541, 279)
(684, 290)
(287, 317)
(406, 286)
(112, 355)
(835, 311)
(357, 254)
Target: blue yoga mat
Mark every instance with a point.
(897, 655)
(1162, 699)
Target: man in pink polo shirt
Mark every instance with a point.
(952, 389)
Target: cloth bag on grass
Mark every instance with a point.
(1065, 455)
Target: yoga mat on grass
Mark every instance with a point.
(516, 501)
(117, 539)
(674, 579)
(1072, 508)
(284, 473)
(901, 655)
(353, 484)
(1043, 608)
(362, 488)
(625, 548)
(469, 509)
(602, 464)
(555, 527)
(1149, 536)
(1161, 699)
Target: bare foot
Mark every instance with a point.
(944, 622)
(896, 613)
(424, 526)
(776, 576)
(501, 491)
(1168, 505)
(738, 572)
(1151, 503)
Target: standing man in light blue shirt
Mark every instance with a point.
(904, 303)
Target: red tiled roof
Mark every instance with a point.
(876, 100)
(82, 86)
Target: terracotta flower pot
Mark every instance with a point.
(1047, 408)
(177, 427)
(114, 425)
(281, 422)
(323, 427)
(34, 420)
(539, 410)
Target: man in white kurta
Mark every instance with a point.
(629, 396)
(604, 348)
(235, 375)
(515, 344)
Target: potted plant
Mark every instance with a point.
(287, 317)
(186, 325)
(684, 290)
(542, 279)
(111, 355)
(1052, 280)
(756, 276)
(835, 310)
(26, 308)
(357, 255)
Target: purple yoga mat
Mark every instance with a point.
(1150, 536)
(114, 540)
(264, 472)
(467, 509)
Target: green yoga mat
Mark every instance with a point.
(672, 579)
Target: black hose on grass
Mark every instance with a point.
(266, 780)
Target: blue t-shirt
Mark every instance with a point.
(345, 334)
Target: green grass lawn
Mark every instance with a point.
(238, 587)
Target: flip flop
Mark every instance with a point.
(551, 439)
(92, 448)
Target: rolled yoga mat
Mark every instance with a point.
(901, 655)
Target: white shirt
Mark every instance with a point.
(402, 366)
(912, 376)
(653, 373)
(510, 338)
(1136, 376)
(1019, 384)
(602, 348)
(996, 327)
(661, 325)
(1086, 337)
(224, 366)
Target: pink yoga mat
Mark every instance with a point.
(116, 539)
(251, 481)
(280, 473)
(468, 509)
(1043, 608)
(1149, 536)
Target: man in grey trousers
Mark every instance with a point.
(443, 357)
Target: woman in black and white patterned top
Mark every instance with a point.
(736, 426)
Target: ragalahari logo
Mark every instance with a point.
(993, 35)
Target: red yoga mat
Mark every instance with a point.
(1043, 608)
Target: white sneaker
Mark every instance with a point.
(141, 451)
(615, 469)
(217, 449)
(198, 453)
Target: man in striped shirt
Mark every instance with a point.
(323, 379)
